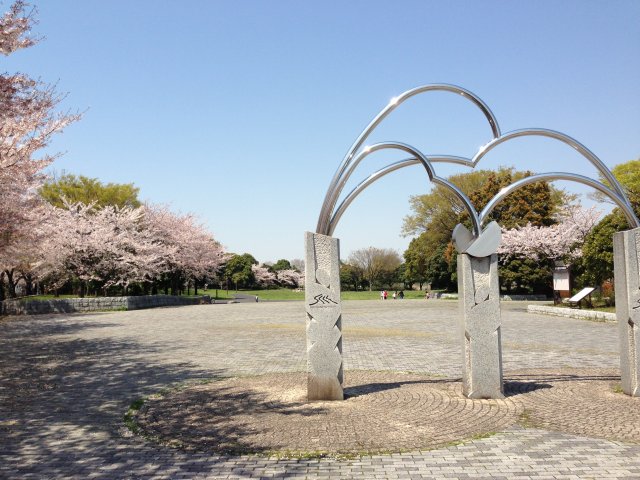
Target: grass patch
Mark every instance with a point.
(525, 420)
(42, 297)
(130, 416)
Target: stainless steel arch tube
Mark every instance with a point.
(620, 201)
(351, 196)
(419, 158)
(339, 178)
(566, 139)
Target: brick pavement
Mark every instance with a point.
(66, 380)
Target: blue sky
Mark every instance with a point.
(240, 112)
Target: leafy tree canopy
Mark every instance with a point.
(628, 174)
(238, 269)
(281, 264)
(597, 252)
(430, 257)
(89, 190)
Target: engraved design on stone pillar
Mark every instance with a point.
(324, 320)
(480, 303)
(626, 247)
(634, 318)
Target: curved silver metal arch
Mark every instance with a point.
(566, 139)
(419, 157)
(339, 179)
(572, 177)
(381, 173)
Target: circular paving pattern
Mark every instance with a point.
(383, 412)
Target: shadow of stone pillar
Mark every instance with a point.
(626, 259)
(479, 301)
(324, 317)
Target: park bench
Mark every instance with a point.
(574, 302)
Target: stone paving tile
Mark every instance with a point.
(66, 381)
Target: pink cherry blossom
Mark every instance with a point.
(563, 240)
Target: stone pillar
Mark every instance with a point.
(626, 259)
(324, 317)
(479, 302)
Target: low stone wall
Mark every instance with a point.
(68, 305)
(592, 315)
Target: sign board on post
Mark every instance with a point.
(561, 279)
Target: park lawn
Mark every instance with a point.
(375, 295)
(273, 294)
(278, 294)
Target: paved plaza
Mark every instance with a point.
(66, 382)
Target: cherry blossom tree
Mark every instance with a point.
(289, 278)
(14, 28)
(562, 240)
(106, 247)
(192, 253)
(263, 276)
(113, 246)
(28, 120)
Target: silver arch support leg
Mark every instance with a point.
(626, 258)
(480, 326)
(324, 317)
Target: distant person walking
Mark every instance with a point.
(381, 294)
(384, 294)
(401, 294)
(395, 294)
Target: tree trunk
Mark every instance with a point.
(28, 280)
(195, 287)
(2, 289)
(11, 285)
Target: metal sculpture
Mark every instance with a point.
(477, 263)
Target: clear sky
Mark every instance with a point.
(240, 112)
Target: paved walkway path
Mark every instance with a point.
(67, 380)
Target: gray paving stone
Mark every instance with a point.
(66, 380)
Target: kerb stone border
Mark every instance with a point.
(573, 313)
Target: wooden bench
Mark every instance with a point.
(574, 302)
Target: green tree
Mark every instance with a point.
(238, 270)
(597, 252)
(89, 190)
(628, 174)
(437, 212)
(535, 203)
(430, 256)
(281, 264)
(350, 276)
